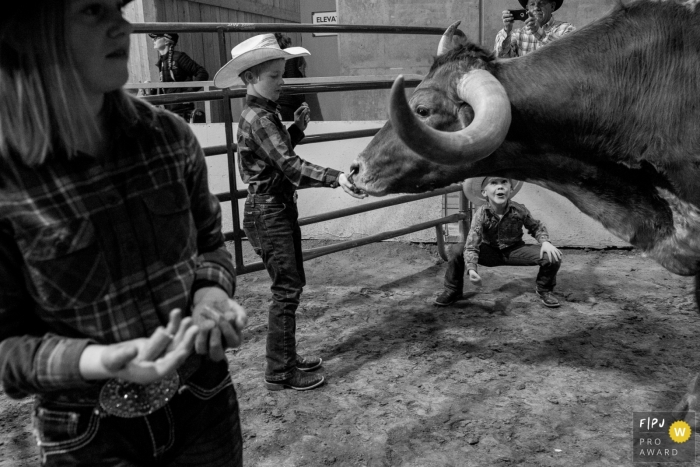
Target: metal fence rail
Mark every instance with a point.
(284, 27)
(291, 86)
(302, 86)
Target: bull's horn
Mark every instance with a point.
(487, 131)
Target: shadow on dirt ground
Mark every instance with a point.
(495, 379)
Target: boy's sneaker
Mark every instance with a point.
(548, 298)
(447, 297)
(308, 363)
(299, 381)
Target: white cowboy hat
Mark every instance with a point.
(472, 189)
(251, 52)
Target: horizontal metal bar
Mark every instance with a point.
(240, 194)
(178, 97)
(376, 205)
(290, 89)
(169, 84)
(316, 252)
(337, 136)
(288, 82)
(140, 28)
(217, 150)
(325, 250)
(223, 197)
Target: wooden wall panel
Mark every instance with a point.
(139, 57)
(210, 52)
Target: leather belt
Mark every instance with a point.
(268, 198)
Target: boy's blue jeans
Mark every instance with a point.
(270, 223)
(516, 255)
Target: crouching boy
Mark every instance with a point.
(273, 172)
(496, 239)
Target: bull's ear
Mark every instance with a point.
(446, 44)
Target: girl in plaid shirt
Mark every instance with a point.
(115, 283)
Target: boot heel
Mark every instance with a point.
(274, 386)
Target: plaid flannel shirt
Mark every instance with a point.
(500, 233)
(522, 43)
(100, 251)
(266, 157)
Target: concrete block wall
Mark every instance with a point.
(391, 55)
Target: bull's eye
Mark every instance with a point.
(422, 111)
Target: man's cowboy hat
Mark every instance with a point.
(172, 36)
(556, 6)
(251, 52)
(472, 189)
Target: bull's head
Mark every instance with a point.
(457, 115)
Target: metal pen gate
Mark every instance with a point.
(303, 86)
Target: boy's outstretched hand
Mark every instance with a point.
(349, 188)
(474, 278)
(302, 116)
(551, 251)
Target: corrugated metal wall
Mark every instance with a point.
(202, 47)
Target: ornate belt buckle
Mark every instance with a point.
(129, 400)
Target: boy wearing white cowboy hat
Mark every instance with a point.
(496, 239)
(273, 172)
(540, 29)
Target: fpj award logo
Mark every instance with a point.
(659, 437)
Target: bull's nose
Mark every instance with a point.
(354, 167)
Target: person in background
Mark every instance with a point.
(540, 29)
(273, 172)
(293, 68)
(176, 66)
(115, 283)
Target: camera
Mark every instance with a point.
(518, 15)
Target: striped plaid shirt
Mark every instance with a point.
(100, 251)
(522, 43)
(266, 157)
(500, 233)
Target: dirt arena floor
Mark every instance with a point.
(496, 379)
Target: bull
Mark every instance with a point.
(608, 117)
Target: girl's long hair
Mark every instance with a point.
(43, 106)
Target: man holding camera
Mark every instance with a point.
(540, 28)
